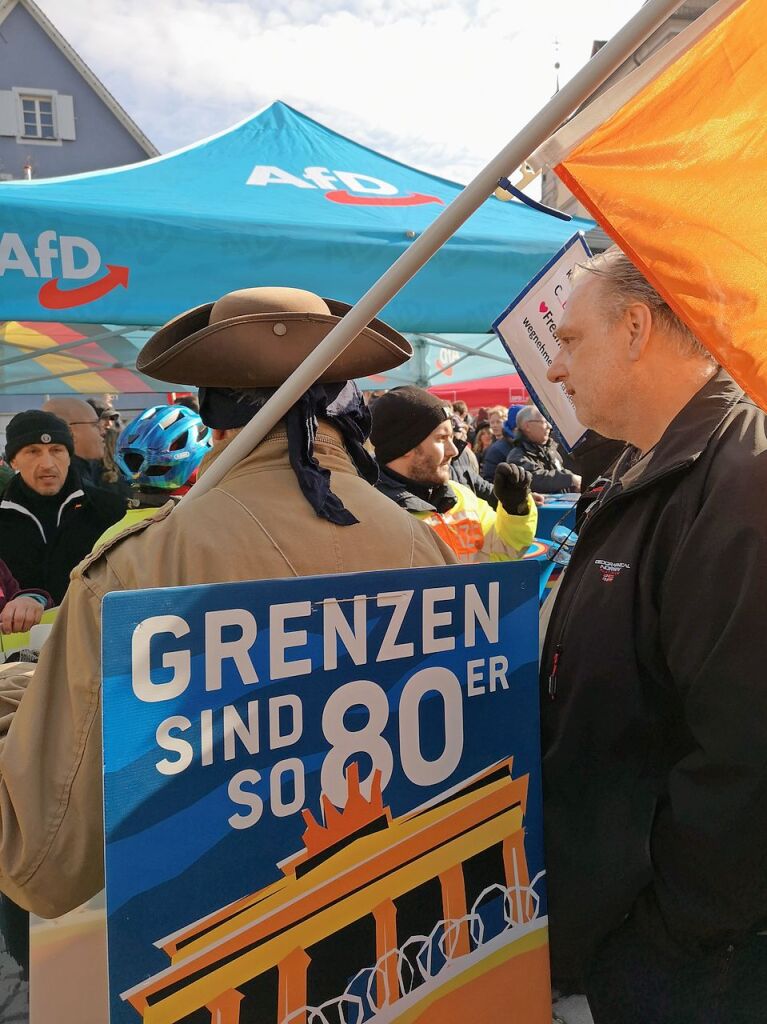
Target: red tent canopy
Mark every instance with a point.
(508, 390)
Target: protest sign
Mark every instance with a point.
(528, 330)
(322, 800)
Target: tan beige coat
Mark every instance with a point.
(255, 524)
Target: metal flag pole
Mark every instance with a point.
(550, 117)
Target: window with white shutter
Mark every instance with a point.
(8, 124)
(65, 117)
(37, 117)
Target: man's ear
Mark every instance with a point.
(638, 321)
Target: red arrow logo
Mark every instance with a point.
(51, 296)
(414, 199)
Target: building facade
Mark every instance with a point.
(56, 117)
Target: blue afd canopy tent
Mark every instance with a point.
(279, 199)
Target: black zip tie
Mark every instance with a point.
(506, 185)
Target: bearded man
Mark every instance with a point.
(413, 439)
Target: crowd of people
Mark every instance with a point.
(77, 475)
(653, 706)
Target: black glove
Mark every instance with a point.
(512, 486)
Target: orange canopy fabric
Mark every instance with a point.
(678, 177)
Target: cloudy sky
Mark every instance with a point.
(441, 84)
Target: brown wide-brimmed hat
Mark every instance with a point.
(256, 337)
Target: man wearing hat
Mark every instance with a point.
(301, 503)
(504, 431)
(49, 519)
(413, 439)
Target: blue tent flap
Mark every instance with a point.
(277, 200)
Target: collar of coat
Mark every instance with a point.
(542, 451)
(21, 493)
(326, 434)
(686, 437)
(414, 496)
(74, 494)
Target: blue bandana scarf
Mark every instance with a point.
(341, 405)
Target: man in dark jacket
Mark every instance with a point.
(464, 468)
(500, 448)
(49, 520)
(535, 450)
(653, 702)
(413, 437)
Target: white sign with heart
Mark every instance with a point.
(528, 330)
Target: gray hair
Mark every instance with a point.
(624, 284)
(526, 414)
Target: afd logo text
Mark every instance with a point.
(57, 258)
(360, 189)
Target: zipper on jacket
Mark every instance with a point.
(553, 673)
(65, 502)
(559, 646)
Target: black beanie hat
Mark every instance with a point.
(402, 418)
(36, 427)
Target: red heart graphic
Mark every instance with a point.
(543, 308)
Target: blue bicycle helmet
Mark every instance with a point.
(162, 447)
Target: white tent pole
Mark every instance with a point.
(434, 342)
(551, 116)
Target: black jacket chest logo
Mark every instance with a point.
(609, 570)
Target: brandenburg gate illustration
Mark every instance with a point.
(425, 917)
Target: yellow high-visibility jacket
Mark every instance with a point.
(472, 529)
(131, 517)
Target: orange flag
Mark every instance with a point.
(677, 175)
